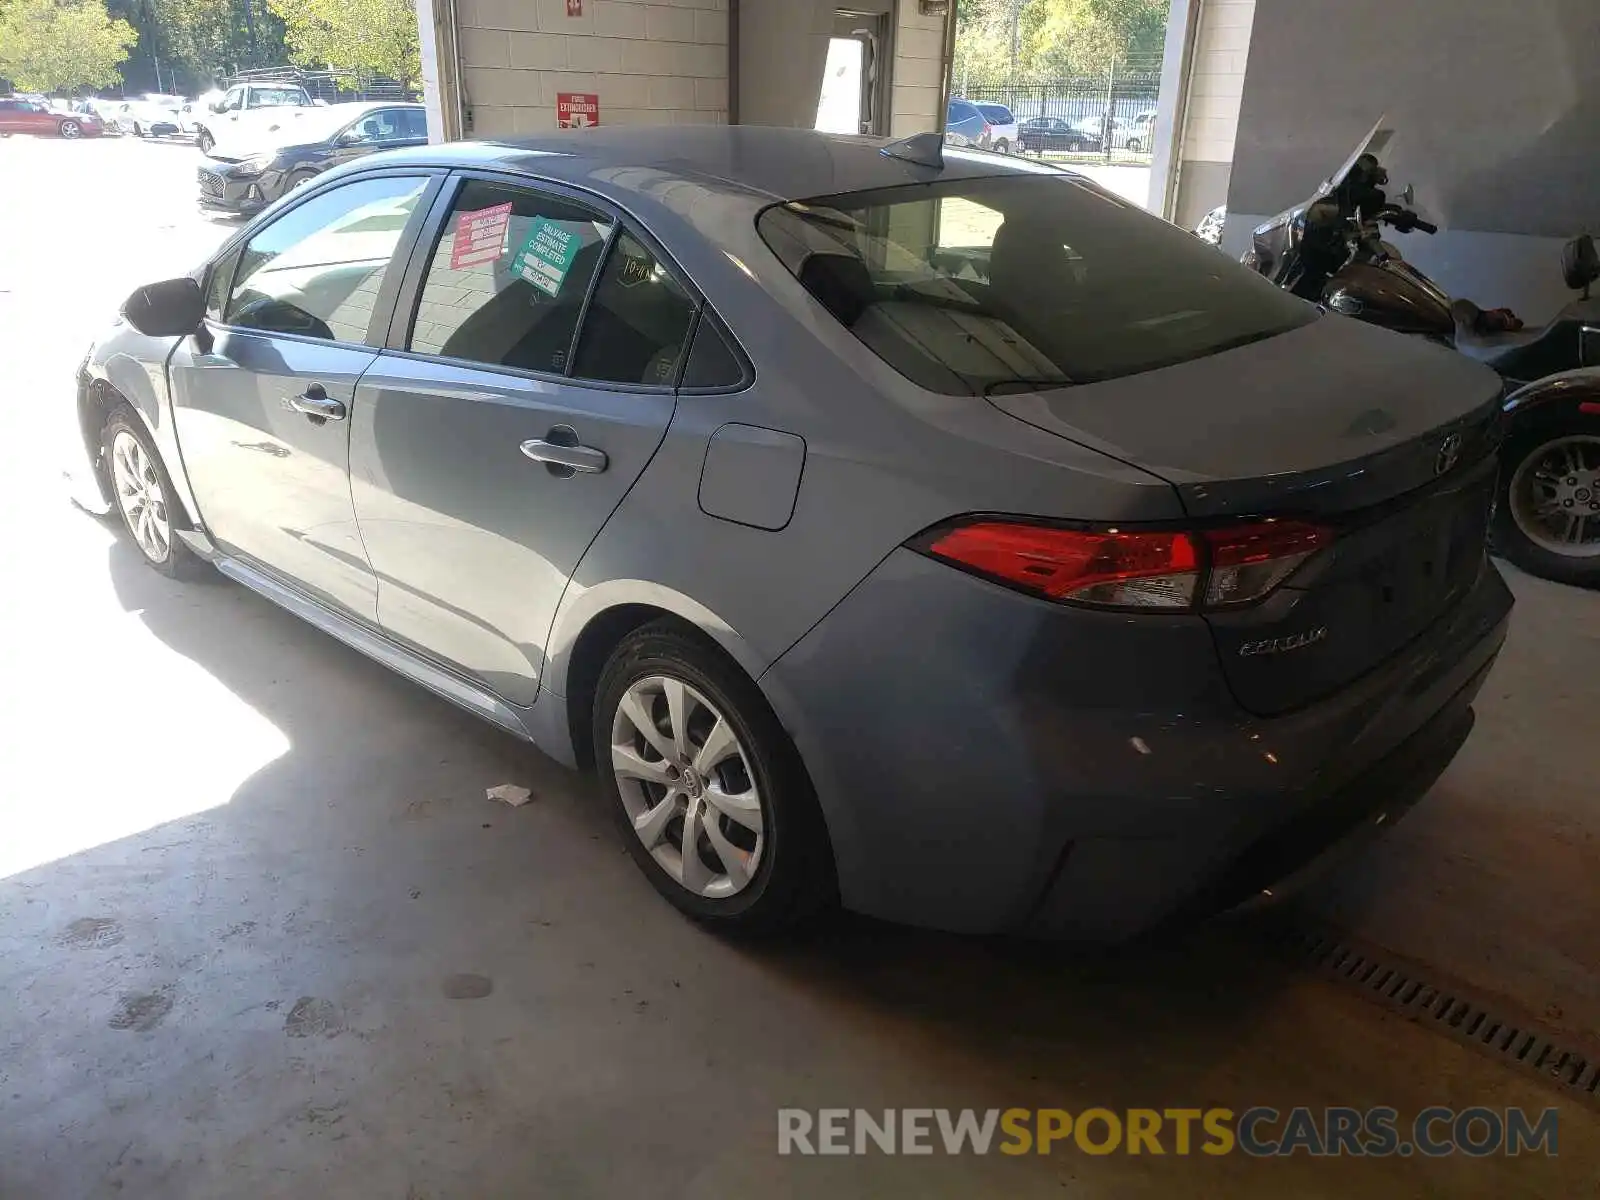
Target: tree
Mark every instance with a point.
(1058, 38)
(377, 37)
(58, 45)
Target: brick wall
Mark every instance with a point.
(650, 64)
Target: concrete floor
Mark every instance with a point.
(261, 934)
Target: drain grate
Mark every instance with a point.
(1518, 1042)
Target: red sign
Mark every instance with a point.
(574, 8)
(480, 237)
(577, 110)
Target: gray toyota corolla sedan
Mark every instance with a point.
(948, 539)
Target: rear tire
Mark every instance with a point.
(1135, 145)
(145, 498)
(1529, 486)
(1002, 147)
(138, 129)
(683, 738)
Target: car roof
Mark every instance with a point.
(768, 163)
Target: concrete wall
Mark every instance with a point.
(650, 64)
(783, 46)
(1219, 47)
(916, 104)
(1495, 107)
(664, 63)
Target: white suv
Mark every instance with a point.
(1003, 128)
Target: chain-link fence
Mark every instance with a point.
(1109, 117)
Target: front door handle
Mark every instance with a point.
(584, 459)
(316, 403)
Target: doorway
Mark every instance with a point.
(855, 82)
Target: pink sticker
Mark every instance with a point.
(480, 237)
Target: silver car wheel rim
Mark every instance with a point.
(143, 503)
(69, 129)
(687, 787)
(1555, 496)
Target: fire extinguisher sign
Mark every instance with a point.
(577, 110)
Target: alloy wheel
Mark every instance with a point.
(1555, 496)
(69, 129)
(687, 786)
(141, 497)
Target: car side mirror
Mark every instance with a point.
(171, 308)
(216, 106)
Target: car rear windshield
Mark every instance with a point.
(1022, 281)
(997, 114)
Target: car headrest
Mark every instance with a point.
(1580, 263)
(841, 283)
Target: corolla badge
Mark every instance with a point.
(1449, 454)
(1283, 645)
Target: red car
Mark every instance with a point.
(29, 116)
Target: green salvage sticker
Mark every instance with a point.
(546, 257)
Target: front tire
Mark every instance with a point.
(1002, 147)
(707, 790)
(298, 179)
(144, 495)
(205, 141)
(1547, 514)
(1135, 145)
(70, 130)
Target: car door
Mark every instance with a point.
(9, 116)
(494, 437)
(35, 118)
(262, 399)
(380, 129)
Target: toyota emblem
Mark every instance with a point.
(1449, 454)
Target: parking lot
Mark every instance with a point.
(257, 916)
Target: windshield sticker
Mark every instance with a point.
(546, 257)
(480, 237)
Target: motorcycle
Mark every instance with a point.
(1330, 249)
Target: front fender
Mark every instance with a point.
(127, 366)
(1566, 393)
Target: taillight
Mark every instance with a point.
(1138, 569)
(1247, 561)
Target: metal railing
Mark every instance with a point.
(1110, 103)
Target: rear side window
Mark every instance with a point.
(637, 324)
(712, 361)
(1029, 280)
(997, 114)
(507, 280)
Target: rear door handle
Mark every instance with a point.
(315, 402)
(585, 459)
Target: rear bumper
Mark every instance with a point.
(998, 763)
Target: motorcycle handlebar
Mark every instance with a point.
(1427, 227)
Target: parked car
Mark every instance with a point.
(150, 116)
(103, 110)
(246, 177)
(965, 125)
(242, 102)
(1138, 135)
(1040, 134)
(1005, 573)
(1003, 131)
(32, 116)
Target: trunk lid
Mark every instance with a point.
(1386, 440)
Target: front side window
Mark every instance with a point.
(316, 271)
(507, 280)
(972, 286)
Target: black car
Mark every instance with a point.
(1039, 134)
(266, 161)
